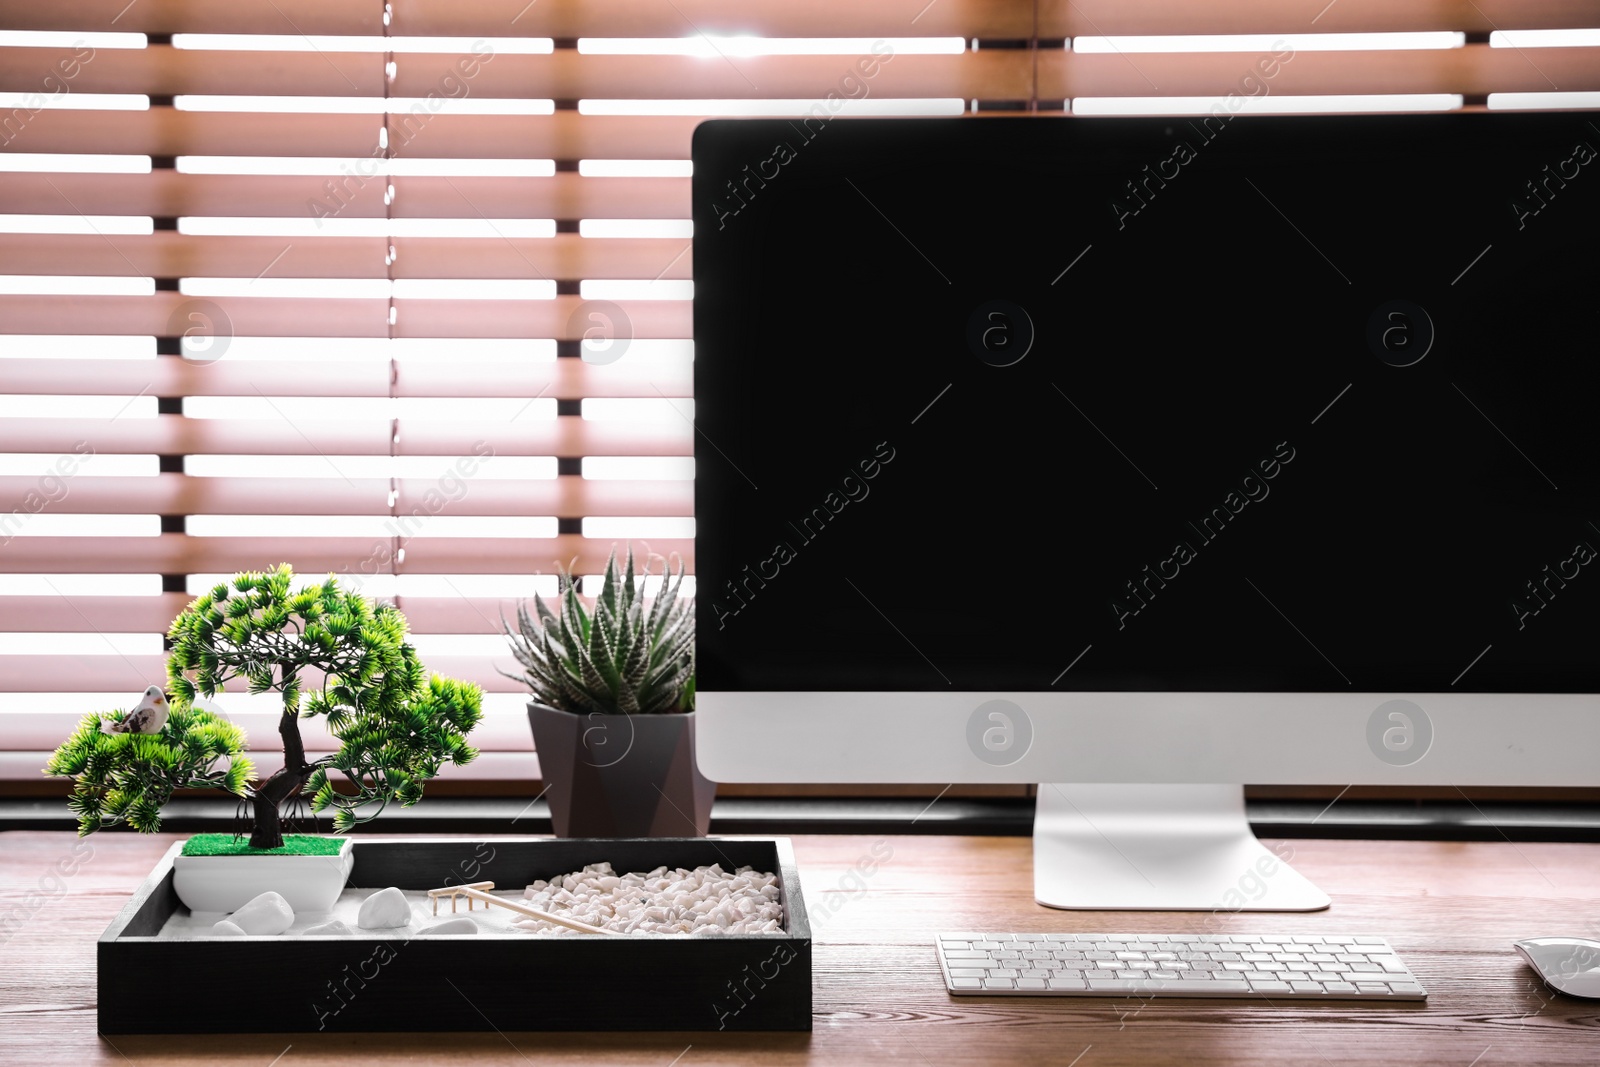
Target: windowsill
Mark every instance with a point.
(1464, 820)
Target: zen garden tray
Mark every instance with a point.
(501, 979)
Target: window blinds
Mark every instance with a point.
(400, 290)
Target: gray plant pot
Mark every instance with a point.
(621, 775)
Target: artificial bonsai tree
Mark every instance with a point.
(326, 651)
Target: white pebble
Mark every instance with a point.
(705, 901)
(383, 910)
(268, 913)
(224, 928)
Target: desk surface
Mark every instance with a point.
(1451, 909)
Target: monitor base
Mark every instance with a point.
(1158, 848)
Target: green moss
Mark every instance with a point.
(293, 845)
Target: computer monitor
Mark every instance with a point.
(1141, 458)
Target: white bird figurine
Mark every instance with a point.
(148, 718)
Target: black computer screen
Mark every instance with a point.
(1204, 404)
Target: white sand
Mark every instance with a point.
(183, 925)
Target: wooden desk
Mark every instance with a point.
(1452, 910)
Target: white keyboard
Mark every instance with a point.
(1175, 965)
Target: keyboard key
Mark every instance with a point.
(1372, 987)
(965, 954)
(966, 983)
(1270, 987)
(1152, 987)
(1068, 983)
(1339, 987)
(1324, 976)
(1195, 976)
(950, 943)
(1405, 987)
(1305, 987)
(1391, 964)
(998, 983)
(1002, 972)
(1169, 976)
(1030, 983)
(1103, 975)
(1061, 937)
(1035, 973)
(964, 972)
(1365, 965)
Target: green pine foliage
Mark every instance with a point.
(621, 659)
(127, 778)
(260, 632)
(327, 651)
(388, 754)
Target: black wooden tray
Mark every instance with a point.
(512, 981)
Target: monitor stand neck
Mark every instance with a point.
(1158, 848)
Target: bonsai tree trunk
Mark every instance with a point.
(267, 801)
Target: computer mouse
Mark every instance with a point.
(1569, 965)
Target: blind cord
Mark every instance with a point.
(390, 70)
(1033, 51)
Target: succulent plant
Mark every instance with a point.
(620, 659)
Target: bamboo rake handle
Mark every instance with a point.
(532, 913)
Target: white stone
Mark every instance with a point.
(224, 928)
(461, 925)
(707, 900)
(331, 928)
(268, 913)
(384, 910)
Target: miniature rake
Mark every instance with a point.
(474, 891)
